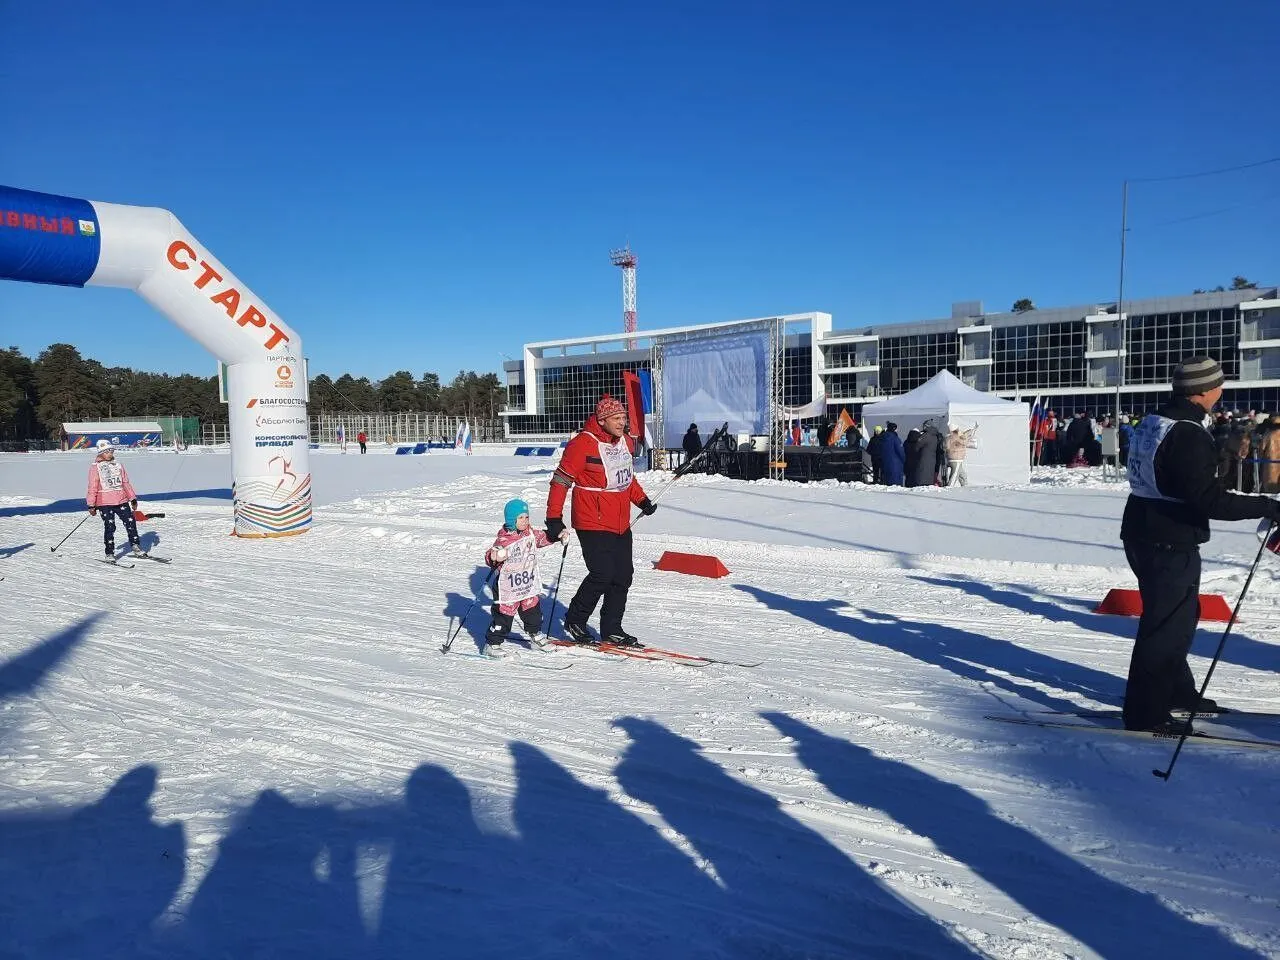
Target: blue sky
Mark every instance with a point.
(430, 185)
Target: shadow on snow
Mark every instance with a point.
(1019, 671)
(77, 504)
(575, 872)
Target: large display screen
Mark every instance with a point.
(713, 379)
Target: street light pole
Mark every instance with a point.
(1121, 322)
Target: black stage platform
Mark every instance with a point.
(804, 464)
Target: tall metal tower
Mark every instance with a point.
(625, 259)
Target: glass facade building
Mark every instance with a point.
(1047, 356)
(1072, 358)
(797, 375)
(908, 361)
(567, 395)
(1158, 341)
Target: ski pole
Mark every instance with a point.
(1186, 727)
(555, 591)
(463, 622)
(73, 530)
(685, 468)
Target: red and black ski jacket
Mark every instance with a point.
(582, 467)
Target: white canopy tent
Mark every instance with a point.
(1002, 452)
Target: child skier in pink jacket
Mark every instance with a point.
(515, 555)
(111, 492)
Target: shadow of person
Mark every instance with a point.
(972, 656)
(283, 885)
(596, 880)
(1034, 605)
(787, 891)
(76, 504)
(476, 613)
(1242, 650)
(10, 551)
(25, 672)
(451, 890)
(149, 540)
(88, 884)
(1108, 917)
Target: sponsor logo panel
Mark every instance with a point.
(275, 402)
(266, 420)
(280, 439)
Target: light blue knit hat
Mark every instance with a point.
(511, 512)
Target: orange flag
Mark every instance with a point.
(843, 422)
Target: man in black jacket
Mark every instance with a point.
(1078, 435)
(692, 443)
(1174, 493)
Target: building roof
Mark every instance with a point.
(112, 426)
(1209, 300)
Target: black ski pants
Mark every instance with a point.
(609, 573)
(502, 623)
(1159, 676)
(109, 514)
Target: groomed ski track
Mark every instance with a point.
(845, 799)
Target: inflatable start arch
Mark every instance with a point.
(62, 240)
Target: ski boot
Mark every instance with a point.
(580, 634)
(620, 638)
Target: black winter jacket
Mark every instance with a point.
(692, 443)
(1186, 468)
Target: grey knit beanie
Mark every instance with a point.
(1197, 375)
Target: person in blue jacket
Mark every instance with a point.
(893, 457)
(1126, 440)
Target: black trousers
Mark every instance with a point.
(1159, 675)
(108, 515)
(502, 623)
(609, 573)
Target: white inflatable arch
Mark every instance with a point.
(62, 240)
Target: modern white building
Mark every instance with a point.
(554, 387)
(1072, 357)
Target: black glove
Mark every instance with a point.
(133, 504)
(555, 527)
(647, 507)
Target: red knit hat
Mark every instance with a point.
(608, 407)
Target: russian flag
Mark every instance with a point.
(1037, 415)
(466, 437)
(457, 437)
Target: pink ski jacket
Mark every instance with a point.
(109, 484)
(504, 539)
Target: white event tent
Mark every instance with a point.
(1002, 451)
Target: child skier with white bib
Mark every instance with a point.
(515, 555)
(111, 492)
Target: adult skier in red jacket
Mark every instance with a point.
(597, 465)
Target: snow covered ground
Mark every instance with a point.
(259, 751)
